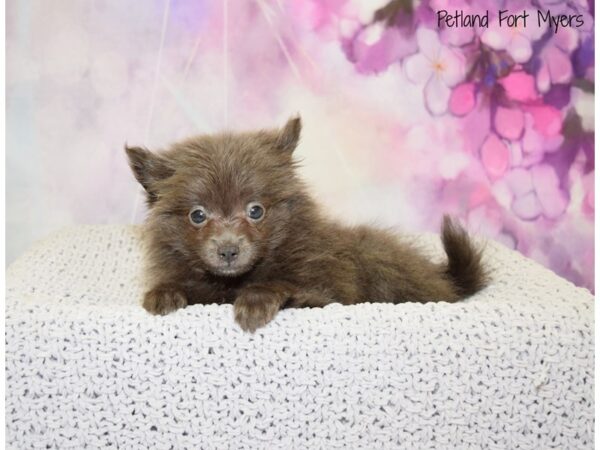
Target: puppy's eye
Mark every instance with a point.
(255, 211)
(197, 215)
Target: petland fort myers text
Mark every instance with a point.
(508, 19)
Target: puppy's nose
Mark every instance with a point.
(228, 253)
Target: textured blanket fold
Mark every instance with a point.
(86, 366)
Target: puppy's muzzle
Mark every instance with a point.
(228, 252)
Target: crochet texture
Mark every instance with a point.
(86, 366)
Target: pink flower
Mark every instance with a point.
(462, 99)
(516, 40)
(547, 120)
(375, 47)
(439, 66)
(495, 156)
(535, 144)
(536, 192)
(533, 130)
(519, 86)
(555, 59)
(547, 188)
(588, 199)
(509, 122)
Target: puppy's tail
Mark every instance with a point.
(464, 267)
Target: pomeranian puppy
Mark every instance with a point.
(230, 221)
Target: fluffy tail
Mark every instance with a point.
(464, 259)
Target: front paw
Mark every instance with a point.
(254, 308)
(164, 299)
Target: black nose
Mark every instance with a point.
(228, 253)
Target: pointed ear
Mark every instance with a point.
(148, 168)
(290, 135)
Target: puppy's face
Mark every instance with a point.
(222, 202)
(228, 244)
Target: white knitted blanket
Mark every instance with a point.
(86, 366)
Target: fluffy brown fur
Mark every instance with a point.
(291, 256)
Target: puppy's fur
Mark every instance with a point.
(291, 256)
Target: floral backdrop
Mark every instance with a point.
(404, 120)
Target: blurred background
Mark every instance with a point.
(403, 120)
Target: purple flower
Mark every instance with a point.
(441, 68)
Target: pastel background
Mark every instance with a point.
(403, 121)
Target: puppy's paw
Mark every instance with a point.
(254, 308)
(164, 299)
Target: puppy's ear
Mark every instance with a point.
(148, 168)
(290, 135)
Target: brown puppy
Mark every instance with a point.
(230, 221)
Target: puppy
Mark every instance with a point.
(231, 222)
